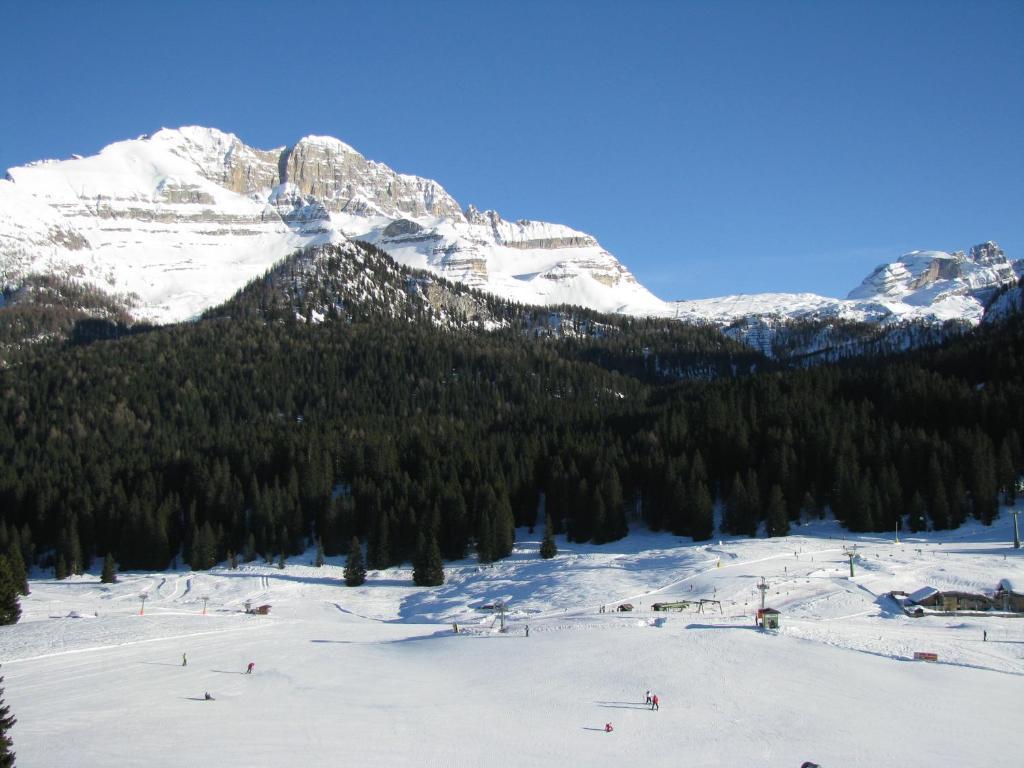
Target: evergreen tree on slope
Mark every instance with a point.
(548, 549)
(10, 608)
(109, 574)
(355, 570)
(7, 721)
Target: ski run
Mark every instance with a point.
(377, 676)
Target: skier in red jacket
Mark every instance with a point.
(248, 670)
(654, 702)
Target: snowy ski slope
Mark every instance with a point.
(375, 676)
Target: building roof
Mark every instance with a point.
(922, 594)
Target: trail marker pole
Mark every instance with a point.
(1016, 532)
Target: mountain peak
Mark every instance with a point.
(182, 218)
(329, 144)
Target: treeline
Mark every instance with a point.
(45, 307)
(254, 434)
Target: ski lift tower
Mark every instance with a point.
(1016, 532)
(850, 554)
(143, 597)
(763, 586)
(205, 599)
(500, 608)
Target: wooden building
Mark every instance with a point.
(953, 600)
(1009, 596)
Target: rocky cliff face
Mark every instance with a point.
(183, 218)
(928, 278)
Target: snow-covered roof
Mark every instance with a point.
(922, 594)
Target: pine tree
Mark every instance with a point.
(60, 570)
(18, 571)
(280, 561)
(485, 539)
(7, 721)
(319, 562)
(548, 548)
(355, 570)
(109, 573)
(916, 519)
(428, 568)
(777, 517)
(736, 505)
(10, 607)
(703, 511)
(504, 528)
(380, 545)
(75, 561)
(938, 501)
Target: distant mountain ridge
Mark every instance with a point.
(176, 222)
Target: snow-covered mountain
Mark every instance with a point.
(182, 219)
(176, 222)
(920, 289)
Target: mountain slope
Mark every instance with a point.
(356, 282)
(184, 218)
(174, 223)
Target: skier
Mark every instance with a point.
(648, 699)
(654, 702)
(248, 670)
(984, 635)
(527, 630)
(184, 660)
(608, 728)
(208, 697)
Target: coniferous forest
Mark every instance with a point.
(255, 433)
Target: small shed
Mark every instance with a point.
(263, 610)
(767, 618)
(625, 607)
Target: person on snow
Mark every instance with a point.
(184, 660)
(248, 670)
(608, 728)
(208, 697)
(527, 630)
(647, 700)
(654, 702)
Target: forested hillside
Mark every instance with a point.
(308, 410)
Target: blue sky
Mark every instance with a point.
(713, 147)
